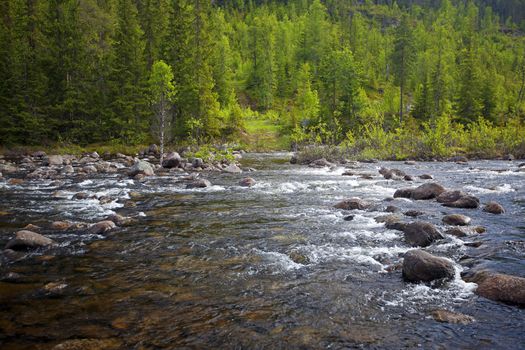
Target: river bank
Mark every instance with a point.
(303, 256)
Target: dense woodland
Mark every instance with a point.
(79, 71)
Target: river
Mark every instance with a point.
(267, 267)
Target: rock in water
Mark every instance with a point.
(494, 208)
(499, 287)
(420, 266)
(404, 193)
(450, 196)
(101, 227)
(466, 202)
(427, 191)
(27, 239)
(200, 183)
(352, 204)
(247, 182)
(456, 220)
(421, 234)
(141, 167)
(451, 317)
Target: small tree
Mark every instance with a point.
(162, 94)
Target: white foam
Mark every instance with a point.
(505, 188)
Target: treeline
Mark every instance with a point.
(78, 70)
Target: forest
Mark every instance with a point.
(388, 78)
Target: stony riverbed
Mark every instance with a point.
(274, 262)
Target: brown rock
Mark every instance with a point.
(247, 182)
(420, 266)
(414, 213)
(60, 225)
(451, 317)
(450, 196)
(101, 227)
(27, 239)
(353, 204)
(494, 208)
(200, 183)
(427, 191)
(89, 344)
(456, 220)
(499, 287)
(404, 193)
(15, 182)
(466, 202)
(421, 234)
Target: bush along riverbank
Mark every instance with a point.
(444, 140)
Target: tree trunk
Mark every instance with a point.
(401, 103)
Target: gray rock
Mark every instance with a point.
(320, 163)
(197, 163)
(232, 169)
(141, 167)
(414, 213)
(27, 239)
(456, 220)
(421, 234)
(494, 208)
(172, 160)
(420, 266)
(68, 169)
(426, 177)
(53, 160)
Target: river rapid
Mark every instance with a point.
(266, 267)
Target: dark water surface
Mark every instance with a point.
(212, 268)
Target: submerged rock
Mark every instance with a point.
(353, 204)
(200, 183)
(494, 208)
(299, 258)
(420, 266)
(451, 317)
(456, 220)
(413, 213)
(499, 287)
(27, 239)
(421, 234)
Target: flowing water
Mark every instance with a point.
(272, 266)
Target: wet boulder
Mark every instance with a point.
(420, 266)
(172, 160)
(390, 218)
(494, 208)
(353, 204)
(27, 239)
(450, 196)
(101, 227)
(499, 287)
(247, 182)
(413, 213)
(299, 258)
(199, 183)
(427, 191)
(456, 220)
(421, 234)
(408, 178)
(60, 225)
(120, 220)
(426, 177)
(392, 209)
(141, 167)
(392, 174)
(404, 193)
(15, 182)
(465, 202)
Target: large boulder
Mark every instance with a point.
(499, 287)
(450, 196)
(466, 202)
(427, 191)
(101, 227)
(141, 167)
(27, 239)
(421, 234)
(172, 160)
(420, 266)
(353, 204)
(494, 208)
(456, 220)
(53, 160)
